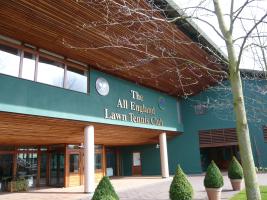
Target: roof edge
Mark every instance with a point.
(190, 28)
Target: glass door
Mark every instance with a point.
(57, 169)
(6, 166)
(27, 166)
(136, 165)
(111, 163)
(43, 169)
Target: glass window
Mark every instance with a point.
(28, 66)
(27, 167)
(6, 165)
(50, 72)
(43, 148)
(43, 168)
(9, 60)
(73, 146)
(74, 163)
(98, 161)
(98, 156)
(27, 148)
(98, 148)
(76, 80)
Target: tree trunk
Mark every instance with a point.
(252, 188)
(250, 176)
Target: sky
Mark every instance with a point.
(250, 59)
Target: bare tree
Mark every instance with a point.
(146, 23)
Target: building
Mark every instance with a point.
(70, 114)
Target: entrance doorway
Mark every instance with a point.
(74, 166)
(57, 169)
(136, 165)
(6, 167)
(43, 164)
(113, 161)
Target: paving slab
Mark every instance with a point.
(128, 188)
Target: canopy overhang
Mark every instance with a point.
(166, 60)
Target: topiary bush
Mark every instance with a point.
(105, 190)
(235, 170)
(213, 178)
(180, 188)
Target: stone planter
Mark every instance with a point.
(236, 184)
(214, 193)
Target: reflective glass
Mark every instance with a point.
(27, 167)
(74, 163)
(28, 66)
(9, 60)
(98, 160)
(50, 72)
(76, 80)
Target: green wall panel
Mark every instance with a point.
(184, 149)
(150, 159)
(27, 97)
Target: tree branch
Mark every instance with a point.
(246, 37)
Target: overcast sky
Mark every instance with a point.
(255, 11)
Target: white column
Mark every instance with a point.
(164, 155)
(89, 159)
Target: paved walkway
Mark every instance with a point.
(128, 188)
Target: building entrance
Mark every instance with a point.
(113, 162)
(57, 169)
(221, 156)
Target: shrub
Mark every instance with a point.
(235, 170)
(105, 190)
(180, 188)
(17, 185)
(213, 178)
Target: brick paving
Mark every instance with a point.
(128, 188)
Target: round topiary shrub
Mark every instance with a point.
(235, 170)
(213, 178)
(105, 190)
(180, 188)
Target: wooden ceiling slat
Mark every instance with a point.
(27, 129)
(47, 23)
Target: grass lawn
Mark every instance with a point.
(242, 195)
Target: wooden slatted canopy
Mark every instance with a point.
(65, 27)
(21, 129)
(217, 137)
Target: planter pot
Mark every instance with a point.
(214, 193)
(236, 184)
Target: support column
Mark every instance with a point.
(164, 156)
(89, 160)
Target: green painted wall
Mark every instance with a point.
(184, 149)
(27, 97)
(150, 159)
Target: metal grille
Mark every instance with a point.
(218, 137)
(265, 133)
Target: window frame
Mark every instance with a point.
(79, 163)
(86, 73)
(20, 52)
(36, 51)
